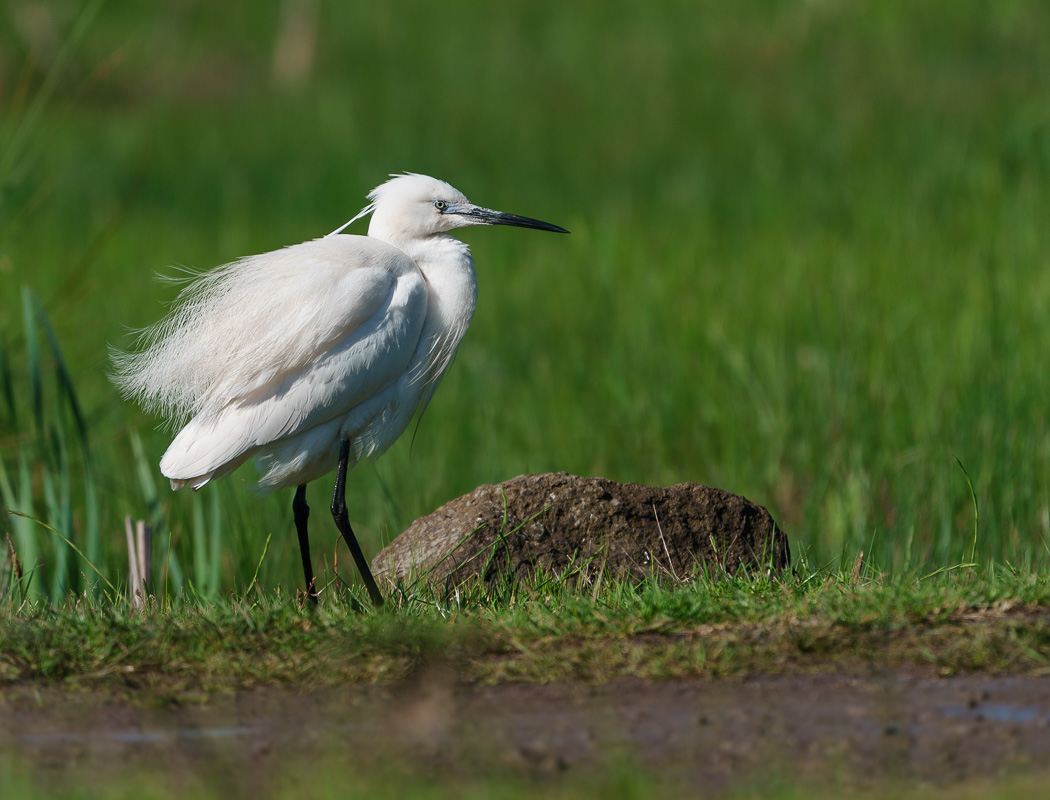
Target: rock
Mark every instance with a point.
(595, 527)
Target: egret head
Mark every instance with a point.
(418, 206)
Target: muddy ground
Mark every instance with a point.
(712, 735)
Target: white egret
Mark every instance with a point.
(315, 356)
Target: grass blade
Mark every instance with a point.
(71, 545)
(65, 381)
(976, 510)
(33, 368)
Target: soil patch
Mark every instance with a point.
(712, 735)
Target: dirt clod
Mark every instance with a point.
(590, 527)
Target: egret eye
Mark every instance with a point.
(440, 205)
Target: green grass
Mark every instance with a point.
(333, 777)
(808, 262)
(810, 622)
(330, 779)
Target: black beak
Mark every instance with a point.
(486, 216)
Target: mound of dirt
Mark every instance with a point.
(558, 523)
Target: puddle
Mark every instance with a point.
(133, 737)
(995, 712)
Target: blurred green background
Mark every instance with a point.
(809, 261)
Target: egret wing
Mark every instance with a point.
(350, 333)
(243, 325)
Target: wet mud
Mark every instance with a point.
(712, 735)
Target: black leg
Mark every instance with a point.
(342, 522)
(301, 513)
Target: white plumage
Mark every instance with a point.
(284, 357)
